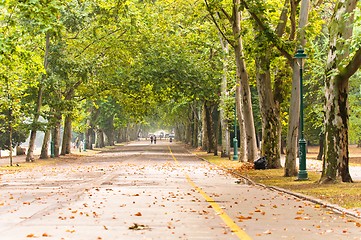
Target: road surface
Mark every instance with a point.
(155, 191)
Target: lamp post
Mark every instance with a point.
(235, 141)
(52, 149)
(302, 172)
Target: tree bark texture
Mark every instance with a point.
(321, 144)
(30, 153)
(109, 131)
(336, 156)
(56, 134)
(66, 143)
(293, 122)
(195, 126)
(205, 142)
(243, 82)
(242, 154)
(216, 125)
(294, 110)
(225, 149)
(45, 147)
(270, 115)
(99, 140)
(209, 125)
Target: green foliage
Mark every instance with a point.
(147, 61)
(19, 136)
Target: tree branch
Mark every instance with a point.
(352, 66)
(282, 22)
(217, 26)
(272, 37)
(97, 40)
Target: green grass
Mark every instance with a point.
(347, 195)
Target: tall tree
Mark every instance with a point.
(225, 152)
(341, 65)
(243, 93)
(287, 50)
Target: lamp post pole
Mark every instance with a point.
(52, 149)
(235, 141)
(302, 172)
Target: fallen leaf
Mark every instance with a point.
(241, 217)
(138, 227)
(300, 212)
(138, 214)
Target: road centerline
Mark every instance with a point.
(223, 215)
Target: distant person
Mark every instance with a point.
(155, 139)
(151, 139)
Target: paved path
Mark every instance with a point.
(143, 191)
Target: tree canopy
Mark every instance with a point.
(103, 68)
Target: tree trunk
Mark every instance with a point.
(45, 147)
(190, 123)
(270, 115)
(109, 131)
(321, 144)
(30, 153)
(56, 135)
(217, 123)
(11, 136)
(242, 154)
(336, 156)
(195, 126)
(89, 135)
(205, 142)
(225, 152)
(243, 82)
(66, 144)
(293, 122)
(209, 126)
(99, 140)
(294, 110)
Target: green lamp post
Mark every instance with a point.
(235, 141)
(52, 149)
(302, 172)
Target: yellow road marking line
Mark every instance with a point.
(224, 216)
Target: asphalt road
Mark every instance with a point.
(144, 191)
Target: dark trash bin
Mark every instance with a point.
(260, 163)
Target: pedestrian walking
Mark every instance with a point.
(155, 139)
(151, 139)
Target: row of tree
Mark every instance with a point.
(107, 69)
